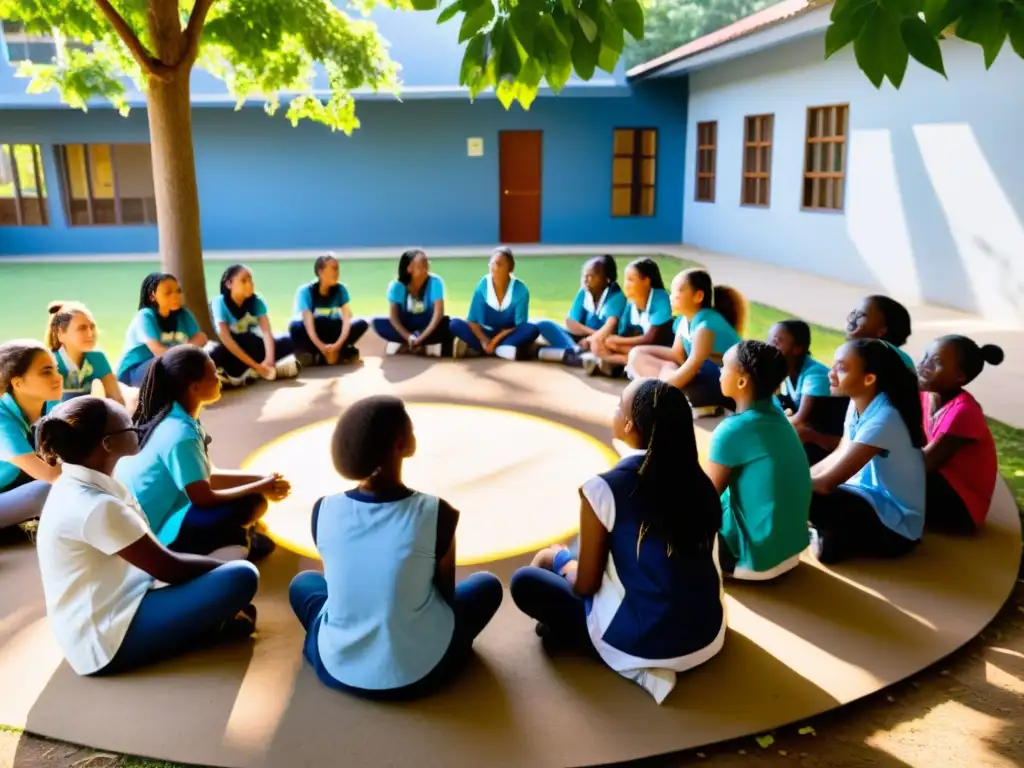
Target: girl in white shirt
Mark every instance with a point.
(99, 559)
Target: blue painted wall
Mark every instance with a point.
(935, 174)
(403, 178)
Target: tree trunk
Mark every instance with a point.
(174, 166)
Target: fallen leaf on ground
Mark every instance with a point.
(765, 741)
(806, 730)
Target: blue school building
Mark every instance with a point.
(745, 142)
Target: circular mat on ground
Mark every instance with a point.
(811, 641)
(513, 476)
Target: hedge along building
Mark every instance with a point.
(745, 142)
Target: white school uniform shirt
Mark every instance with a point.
(91, 593)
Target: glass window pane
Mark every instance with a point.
(134, 166)
(622, 170)
(75, 160)
(764, 159)
(624, 142)
(837, 196)
(837, 157)
(841, 122)
(649, 146)
(750, 160)
(101, 172)
(647, 172)
(622, 201)
(751, 129)
(6, 171)
(767, 127)
(647, 201)
(24, 162)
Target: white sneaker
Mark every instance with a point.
(551, 355)
(459, 348)
(591, 363)
(392, 348)
(433, 350)
(505, 352)
(705, 412)
(657, 682)
(814, 547)
(287, 368)
(232, 382)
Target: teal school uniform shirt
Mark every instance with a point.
(636, 322)
(511, 312)
(811, 380)
(78, 379)
(433, 292)
(725, 335)
(612, 303)
(171, 331)
(173, 457)
(309, 299)
(893, 482)
(766, 504)
(239, 319)
(16, 438)
(907, 359)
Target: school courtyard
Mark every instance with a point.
(787, 177)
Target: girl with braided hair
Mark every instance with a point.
(191, 507)
(99, 560)
(161, 323)
(758, 464)
(869, 494)
(646, 590)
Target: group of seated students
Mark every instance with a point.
(146, 550)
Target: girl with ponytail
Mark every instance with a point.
(646, 590)
(712, 321)
(99, 560)
(161, 323)
(71, 336)
(190, 507)
(960, 456)
(869, 494)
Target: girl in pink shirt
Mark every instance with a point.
(960, 456)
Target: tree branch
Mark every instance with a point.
(194, 30)
(149, 64)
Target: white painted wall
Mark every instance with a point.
(935, 174)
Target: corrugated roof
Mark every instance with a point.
(787, 9)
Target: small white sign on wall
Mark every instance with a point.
(475, 147)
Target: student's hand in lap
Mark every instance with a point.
(278, 489)
(266, 371)
(491, 346)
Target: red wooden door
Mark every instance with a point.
(519, 176)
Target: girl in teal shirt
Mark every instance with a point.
(757, 463)
(71, 336)
(712, 320)
(416, 321)
(30, 385)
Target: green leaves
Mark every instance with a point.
(631, 16)
(922, 43)
(479, 13)
(982, 23)
(885, 33)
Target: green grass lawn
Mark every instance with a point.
(111, 291)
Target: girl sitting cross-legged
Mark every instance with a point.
(30, 385)
(323, 330)
(712, 319)
(416, 321)
(189, 505)
(806, 393)
(646, 590)
(99, 560)
(71, 336)
(497, 323)
(385, 620)
(869, 494)
(161, 323)
(248, 349)
(960, 455)
(593, 316)
(646, 320)
(757, 463)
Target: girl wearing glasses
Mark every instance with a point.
(99, 559)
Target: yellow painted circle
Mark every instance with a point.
(514, 477)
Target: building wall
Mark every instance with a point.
(403, 178)
(935, 174)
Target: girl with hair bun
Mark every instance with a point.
(247, 348)
(322, 328)
(161, 323)
(757, 463)
(711, 321)
(960, 455)
(869, 494)
(645, 590)
(71, 336)
(100, 562)
(30, 385)
(386, 620)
